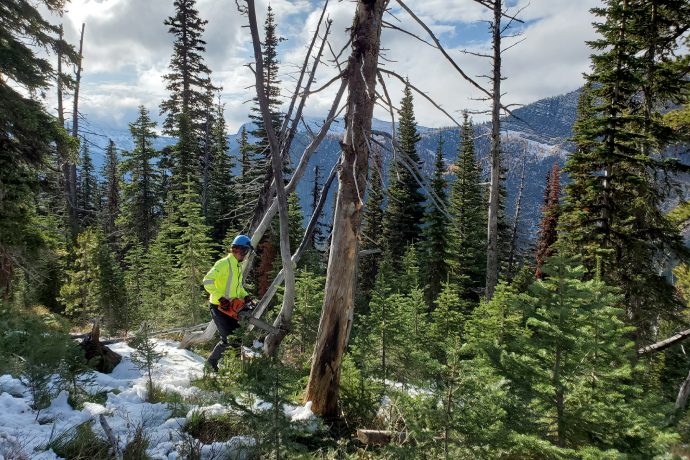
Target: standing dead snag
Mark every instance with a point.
(338, 306)
(285, 316)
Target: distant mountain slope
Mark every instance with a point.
(537, 136)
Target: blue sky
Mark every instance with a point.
(127, 50)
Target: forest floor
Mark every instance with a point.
(121, 397)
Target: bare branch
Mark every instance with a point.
(413, 168)
(278, 280)
(288, 114)
(423, 94)
(326, 85)
(394, 27)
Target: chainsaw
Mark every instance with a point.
(246, 315)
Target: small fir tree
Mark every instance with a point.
(87, 192)
(145, 356)
(467, 230)
(193, 253)
(140, 200)
(405, 208)
(111, 205)
(436, 238)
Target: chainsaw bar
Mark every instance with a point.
(247, 315)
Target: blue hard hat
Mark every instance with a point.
(242, 241)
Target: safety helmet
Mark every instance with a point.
(243, 241)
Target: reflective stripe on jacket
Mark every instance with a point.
(225, 280)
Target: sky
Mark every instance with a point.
(127, 50)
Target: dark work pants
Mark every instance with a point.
(226, 326)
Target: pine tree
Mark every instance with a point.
(111, 206)
(405, 209)
(549, 220)
(613, 209)
(190, 90)
(223, 196)
(87, 191)
(467, 230)
(436, 239)
(139, 193)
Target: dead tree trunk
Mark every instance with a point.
(284, 320)
(495, 157)
(74, 218)
(338, 306)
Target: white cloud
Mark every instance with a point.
(127, 50)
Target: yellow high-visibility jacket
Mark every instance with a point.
(225, 280)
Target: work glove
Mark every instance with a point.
(224, 304)
(249, 302)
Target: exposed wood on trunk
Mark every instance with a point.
(195, 337)
(494, 157)
(379, 437)
(111, 437)
(284, 320)
(75, 134)
(306, 239)
(664, 344)
(683, 393)
(338, 307)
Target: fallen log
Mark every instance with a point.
(127, 337)
(380, 437)
(666, 343)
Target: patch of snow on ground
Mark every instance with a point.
(125, 410)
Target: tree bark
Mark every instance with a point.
(338, 307)
(495, 158)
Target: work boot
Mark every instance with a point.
(211, 366)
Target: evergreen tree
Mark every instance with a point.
(563, 349)
(190, 90)
(160, 273)
(467, 230)
(145, 356)
(81, 291)
(193, 258)
(260, 152)
(549, 220)
(139, 193)
(87, 192)
(27, 130)
(249, 181)
(372, 233)
(94, 286)
(223, 196)
(436, 237)
(613, 209)
(405, 209)
(111, 205)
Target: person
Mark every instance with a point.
(227, 295)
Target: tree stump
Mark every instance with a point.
(98, 356)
